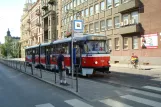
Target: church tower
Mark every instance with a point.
(8, 33)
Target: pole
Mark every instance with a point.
(72, 53)
(72, 44)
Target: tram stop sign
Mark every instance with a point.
(78, 28)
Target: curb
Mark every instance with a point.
(64, 89)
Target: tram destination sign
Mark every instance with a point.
(78, 28)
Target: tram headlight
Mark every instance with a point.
(95, 62)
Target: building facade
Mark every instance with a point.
(126, 23)
(31, 25)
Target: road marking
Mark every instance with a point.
(152, 88)
(145, 93)
(77, 103)
(45, 105)
(142, 100)
(114, 103)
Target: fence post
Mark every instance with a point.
(40, 72)
(77, 79)
(16, 64)
(20, 65)
(32, 70)
(55, 77)
(25, 66)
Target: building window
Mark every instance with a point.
(116, 3)
(78, 2)
(86, 29)
(74, 3)
(125, 45)
(65, 21)
(109, 4)
(117, 22)
(117, 44)
(125, 19)
(71, 5)
(86, 12)
(82, 1)
(135, 17)
(96, 8)
(102, 6)
(125, 1)
(109, 43)
(62, 10)
(109, 24)
(135, 42)
(82, 13)
(71, 17)
(96, 26)
(102, 25)
(91, 11)
(91, 28)
(65, 8)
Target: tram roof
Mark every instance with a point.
(45, 44)
(85, 37)
(32, 47)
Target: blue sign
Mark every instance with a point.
(78, 25)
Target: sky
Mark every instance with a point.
(10, 15)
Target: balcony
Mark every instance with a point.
(52, 2)
(45, 8)
(38, 12)
(28, 20)
(38, 24)
(35, 34)
(132, 4)
(130, 29)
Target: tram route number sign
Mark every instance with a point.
(78, 28)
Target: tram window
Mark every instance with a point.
(85, 48)
(42, 50)
(65, 47)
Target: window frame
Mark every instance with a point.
(102, 8)
(108, 24)
(125, 46)
(108, 6)
(137, 39)
(115, 24)
(102, 27)
(98, 28)
(95, 8)
(91, 11)
(117, 46)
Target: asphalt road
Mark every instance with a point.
(20, 90)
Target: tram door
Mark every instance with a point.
(33, 56)
(47, 54)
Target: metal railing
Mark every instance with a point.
(41, 73)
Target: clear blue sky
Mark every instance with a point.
(10, 15)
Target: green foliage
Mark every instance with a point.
(9, 49)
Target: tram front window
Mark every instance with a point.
(97, 47)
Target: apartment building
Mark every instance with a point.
(125, 22)
(31, 25)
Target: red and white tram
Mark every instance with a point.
(95, 54)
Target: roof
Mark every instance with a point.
(85, 37)
(32, 47)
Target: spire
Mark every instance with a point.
(8, 32)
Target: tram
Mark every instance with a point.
(93, 48)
